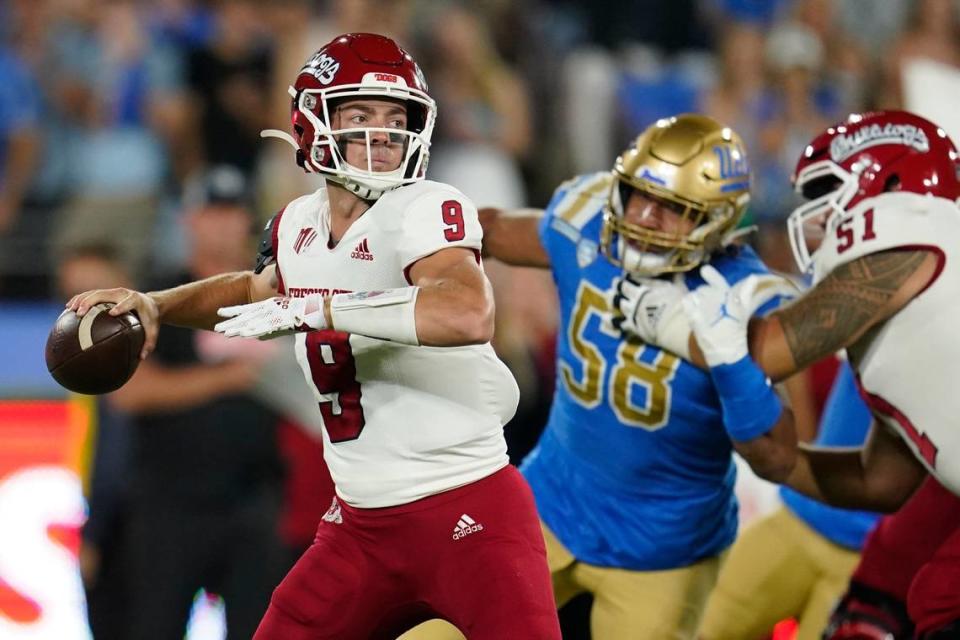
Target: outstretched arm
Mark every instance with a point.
(880, 476)
(854, 298)
(760, 427)
(450, 303)
(513, 237)
(191, 305)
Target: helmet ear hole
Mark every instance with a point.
(416, 118)
(892, 183)
(820, 187)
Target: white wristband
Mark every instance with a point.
(387, 315)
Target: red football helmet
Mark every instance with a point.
(866, 155)
(361, 65)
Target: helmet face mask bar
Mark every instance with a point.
(692, 166)
(832, 188)
(359, 67)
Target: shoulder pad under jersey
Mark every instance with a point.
(266, 251)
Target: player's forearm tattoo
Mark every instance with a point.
(846, 303)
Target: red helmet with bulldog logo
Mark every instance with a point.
(359, 65)
(862, 157)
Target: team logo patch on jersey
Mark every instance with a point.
(586, 252)
(362, 252)
(465, 526)
(306, 236)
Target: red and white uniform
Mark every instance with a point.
(907, 373)
(400, 422)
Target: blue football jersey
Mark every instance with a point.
(634, 468)
(844, 423)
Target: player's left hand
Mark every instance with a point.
(719, 314)
(642, 307)
(273, 317)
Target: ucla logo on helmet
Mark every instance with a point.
(322, 67)
(733, 161)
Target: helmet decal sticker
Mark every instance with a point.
(322, 67)
(844, 146)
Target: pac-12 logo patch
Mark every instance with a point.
(586, 252)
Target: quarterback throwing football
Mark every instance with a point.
(378, 273)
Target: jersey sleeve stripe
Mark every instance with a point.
(573, 204)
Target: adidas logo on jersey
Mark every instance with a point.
(362, 252)
(465, 526)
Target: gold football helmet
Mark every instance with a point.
(695, 166)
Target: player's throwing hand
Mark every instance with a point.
(273, 317)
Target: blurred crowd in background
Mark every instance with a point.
(109, 109)
(130, 151)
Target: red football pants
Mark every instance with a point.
(934, 597)
(473, 556)
(914, 555)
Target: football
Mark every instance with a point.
(96, 353)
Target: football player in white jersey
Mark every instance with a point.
(881, 234)
(378, 273)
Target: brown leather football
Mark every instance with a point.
(96, 353)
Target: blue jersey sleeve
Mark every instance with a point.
(570, 227)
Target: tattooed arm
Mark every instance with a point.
(853, 299)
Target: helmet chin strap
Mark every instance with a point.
(283, 135)
(367, 187)
(286, 137)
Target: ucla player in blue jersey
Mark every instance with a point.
(797, 561)
(633, 475)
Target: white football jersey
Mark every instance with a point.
(908, 372)
(400, 422)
